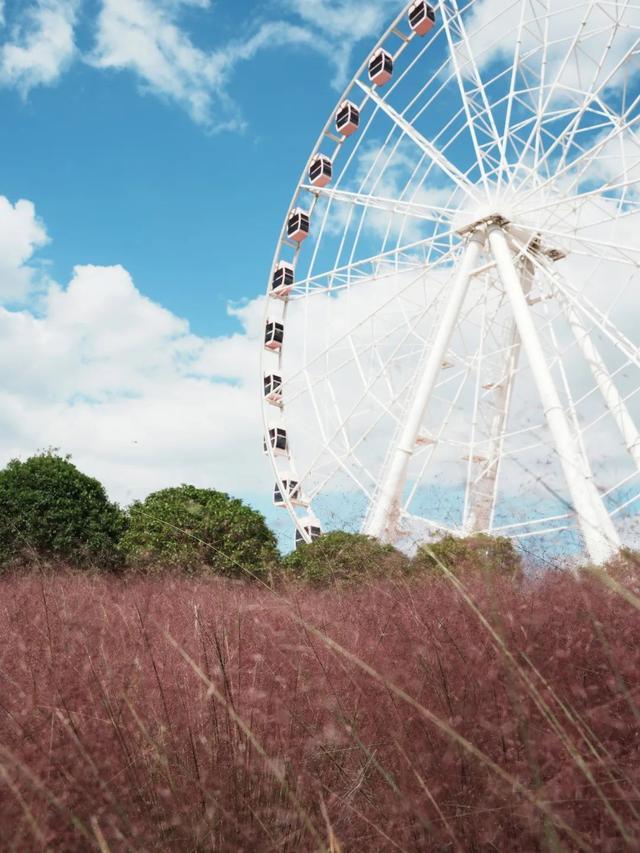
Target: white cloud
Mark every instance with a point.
(144, 37)
(21, 234)
(149, 39)
(41, 45)
(344, 23)
(121, 383)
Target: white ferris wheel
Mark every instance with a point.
(453, 315)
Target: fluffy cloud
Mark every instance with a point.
(41, 44)
(108, 375)
(148, 39)
(21, 234)
(144, 37)
(343, 23)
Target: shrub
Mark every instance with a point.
(344, 557)
(49, 507)
(199, 529)
(480, 552)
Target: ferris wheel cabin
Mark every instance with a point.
(273, 389)
(298, 225)
(282, 281)
(347, 118)
(312, 529)
(278, 441)
(320, 171)
(290, 488)
(381, 67)
(273, 335)
(422, 17)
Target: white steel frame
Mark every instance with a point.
(517, 157)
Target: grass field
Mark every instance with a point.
(182, 715)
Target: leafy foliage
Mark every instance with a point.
(480, 552)
(199, 529)
(344, 557)
(49, 507)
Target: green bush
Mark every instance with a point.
(344, 557)
(199, 530)
(479, 552)
(50, 508)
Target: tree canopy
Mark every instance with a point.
(344, 557)
(50, 508)
(199, 529)
(479, 552)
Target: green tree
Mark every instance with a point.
(479, 552)
(49, 507)
(341, 557)
(199, 529)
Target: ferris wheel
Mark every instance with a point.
(453, 314)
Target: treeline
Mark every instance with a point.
(51, 513)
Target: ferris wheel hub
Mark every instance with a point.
(478, 224)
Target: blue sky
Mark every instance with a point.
(148, 152)
(122, 171)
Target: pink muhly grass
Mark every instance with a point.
(173, 714)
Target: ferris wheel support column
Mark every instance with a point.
(385, 515)
(600, 536)
(612, 397)
(482, 496)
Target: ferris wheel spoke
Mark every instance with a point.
(340, 465)
(626, 254)
(434, 153)
(362, 321)
(592, 97)
(436, 441)
(583, 174)
(616, 404)
(538, 145)
(542, 111)
(578, 431)
(485, 112)
(394, 357)
(634, 211)
(511, 97)
(566, 138)
(588, 156)
(354, 275)
(565, 141)
(370, 267)
(467, 101)
(386, 410)
(564, 201)
(403, 208)
(585, 308)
